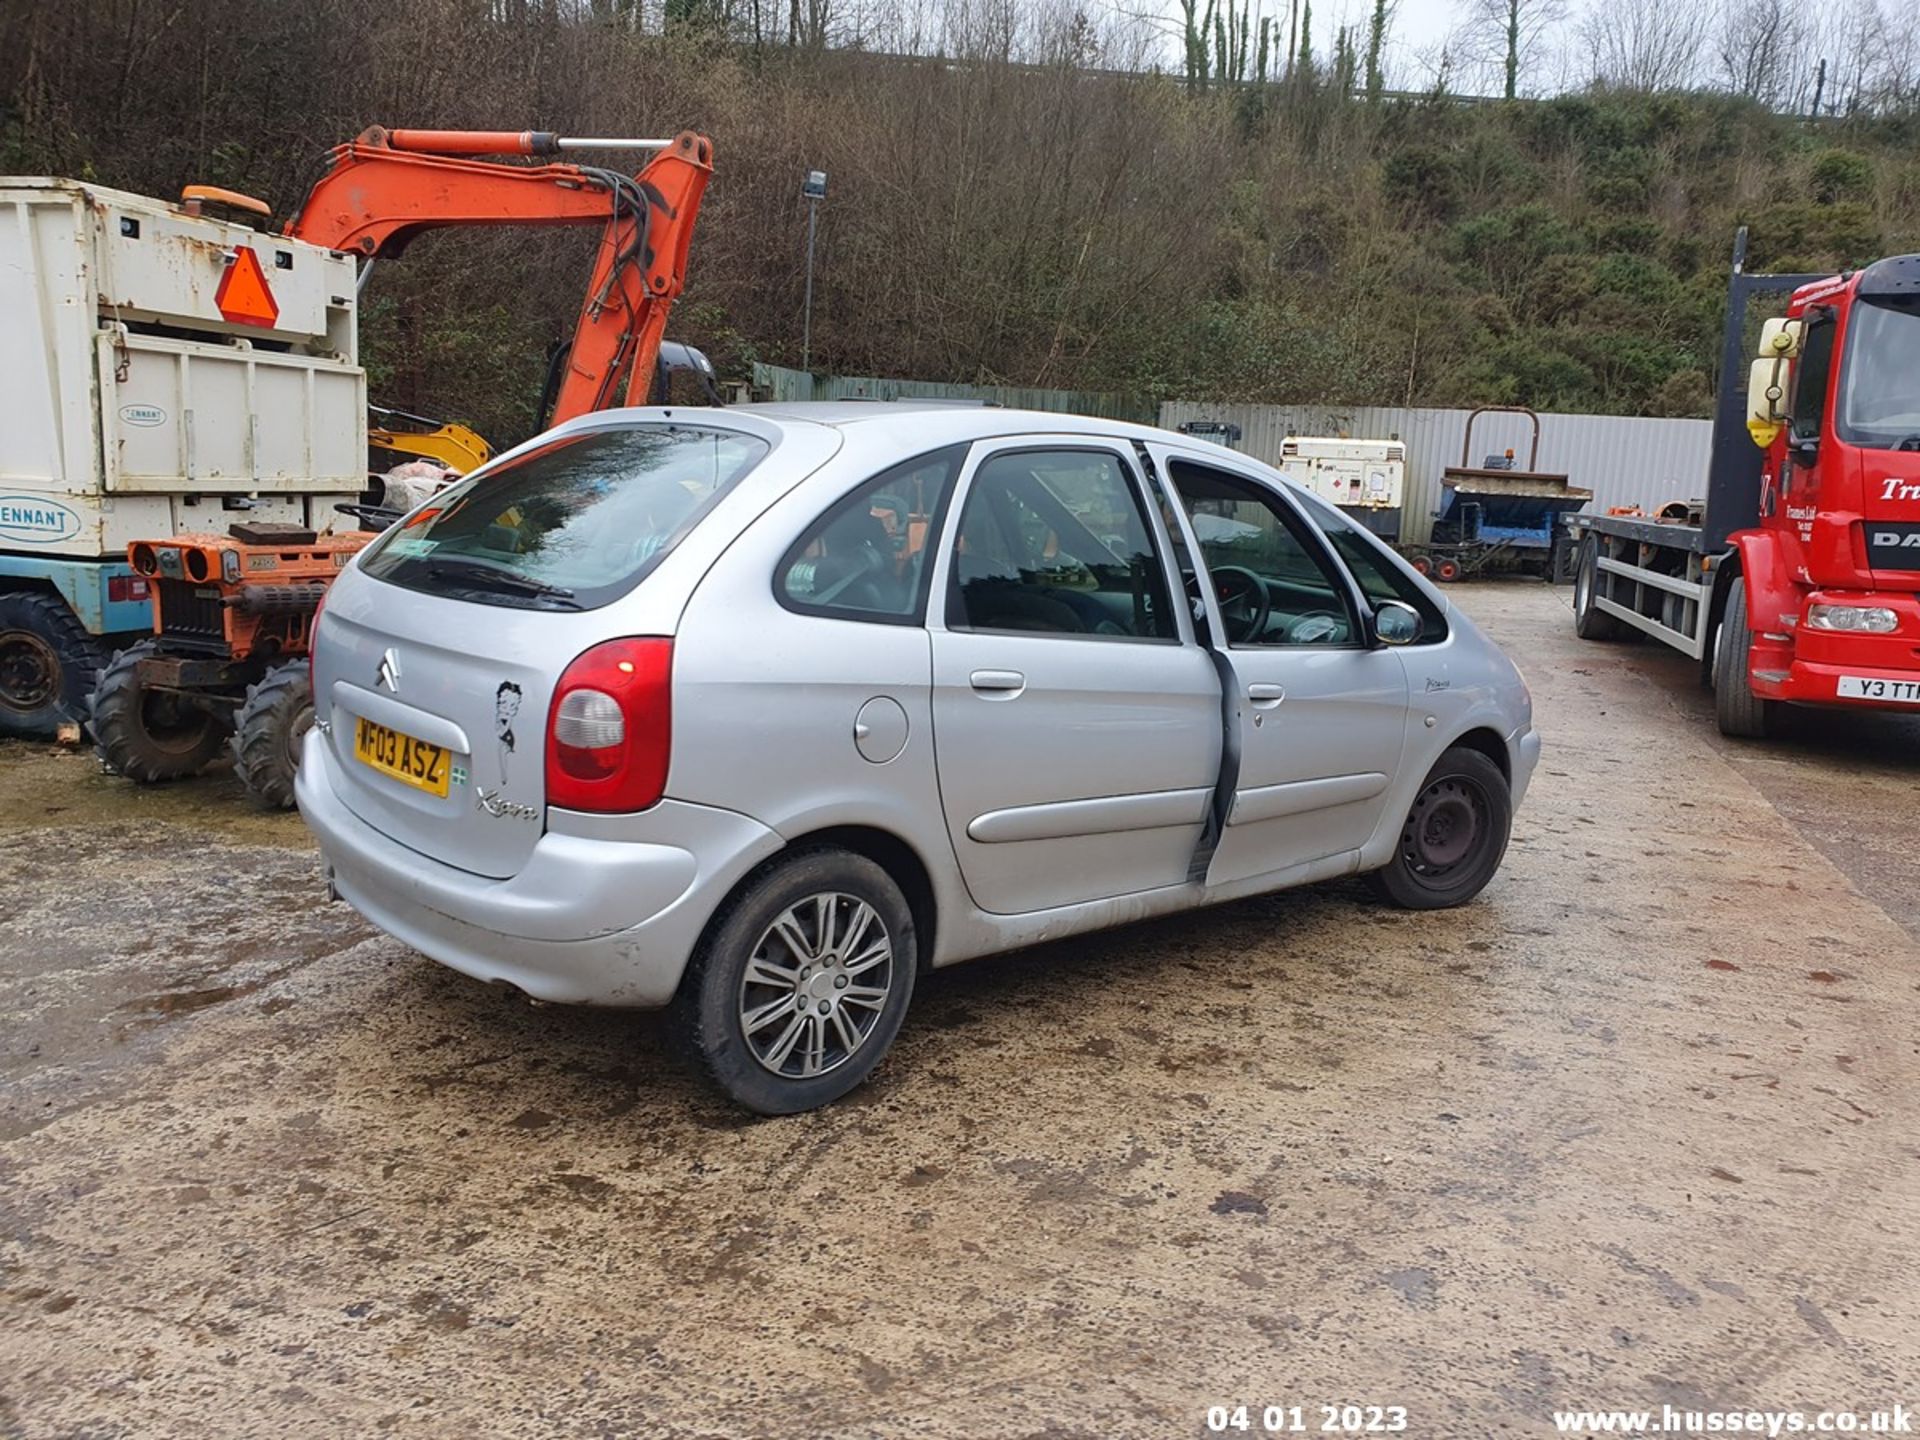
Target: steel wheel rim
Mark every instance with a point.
(29, 671)
(172, 724)
(1445, 827)
(815, 986)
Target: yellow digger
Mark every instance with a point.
(445, 443)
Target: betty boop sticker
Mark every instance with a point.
(506, 705)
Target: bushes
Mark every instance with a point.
(1838, 175)
(1801, 235)
(1504, 248)
(1423, 180)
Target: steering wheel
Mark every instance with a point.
(1316, 627)
(1245, 604)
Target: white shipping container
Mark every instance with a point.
(133, 406)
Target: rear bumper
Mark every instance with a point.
(603, 918)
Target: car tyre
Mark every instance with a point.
(1590, 622)
(1739, 711)
(816, 949)
(1453, 837)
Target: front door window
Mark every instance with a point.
(1274, 583)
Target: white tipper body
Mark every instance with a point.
(134, 407)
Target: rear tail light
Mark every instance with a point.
(609, 735)
(122, 588)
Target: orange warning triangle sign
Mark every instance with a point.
(243, 296)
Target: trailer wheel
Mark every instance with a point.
(149, 735)
(273, 724)
(1422, 565)
(1446, 570)
(47, 664)
(1590, 622)
(1740, 712)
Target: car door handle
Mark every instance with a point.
(998, 683)
(1266, 696)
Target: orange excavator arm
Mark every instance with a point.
(387, 186)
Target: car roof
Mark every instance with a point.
(948, 422)
(913, 425)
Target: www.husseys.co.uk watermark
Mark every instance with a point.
(1668, 1420)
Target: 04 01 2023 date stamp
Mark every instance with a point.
(1321, 1418)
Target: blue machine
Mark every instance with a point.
(1496, 516)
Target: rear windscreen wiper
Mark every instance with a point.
(491, 577)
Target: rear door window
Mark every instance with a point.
(1056, 542)
(570, 525)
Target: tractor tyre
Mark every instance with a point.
(48, 663)
(272, 727)
(149, 735)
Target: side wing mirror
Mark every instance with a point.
(1766, 400)
(1396, 623)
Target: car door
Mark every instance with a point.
(1077, 728)
(1319, 713)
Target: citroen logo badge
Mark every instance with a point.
(389, 672)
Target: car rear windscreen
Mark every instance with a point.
(569, 525)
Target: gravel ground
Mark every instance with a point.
(1640, 1126)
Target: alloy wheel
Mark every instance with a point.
(815, 985)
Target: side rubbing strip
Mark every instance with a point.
(1105, 814)
(1272, 802)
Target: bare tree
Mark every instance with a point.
(1870, 56)
(1761, 48)
(1508, 38)
(1646, 44)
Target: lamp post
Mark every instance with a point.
(814, 187)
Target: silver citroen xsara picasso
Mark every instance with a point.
(759, 713)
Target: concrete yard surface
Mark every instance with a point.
(1642, 1125)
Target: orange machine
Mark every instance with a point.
(245, 595)
(388, 186)
(232, 613)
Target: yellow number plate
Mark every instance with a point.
(410, 761)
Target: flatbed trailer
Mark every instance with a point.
(1800, 583)
(1653, 575)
